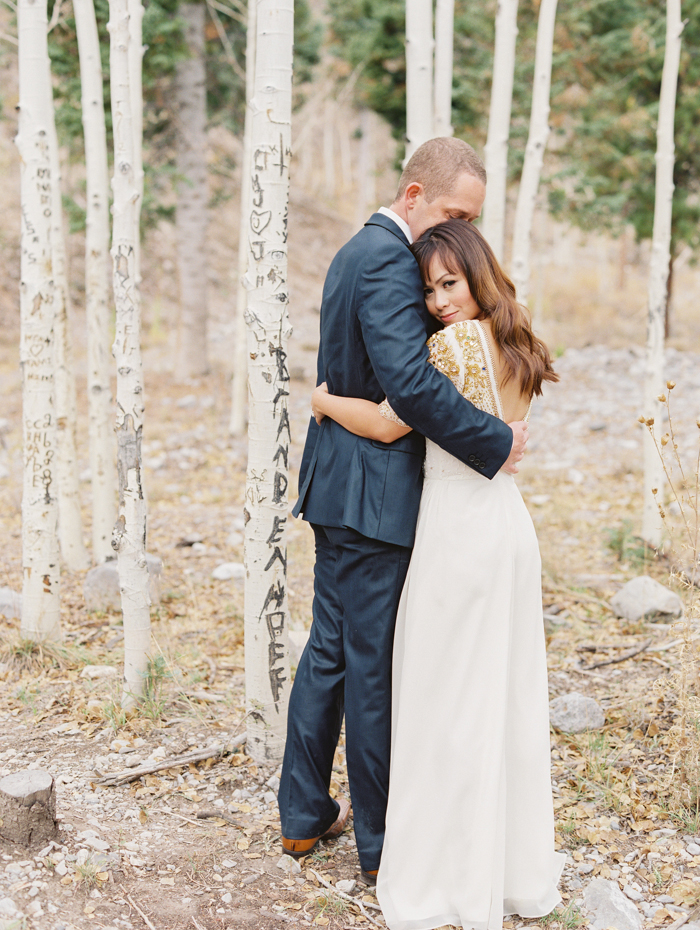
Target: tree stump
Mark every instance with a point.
(28, 808)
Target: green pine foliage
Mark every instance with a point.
(611, 55)
(606, 78)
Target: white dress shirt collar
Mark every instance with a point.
(402, 224)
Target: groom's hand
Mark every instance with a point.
(517, 451)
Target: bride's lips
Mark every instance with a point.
(446, 317)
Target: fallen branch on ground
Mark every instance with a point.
(626, 655)
(136, 907)
(211, 752)
(218, 815)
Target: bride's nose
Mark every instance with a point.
(441, 300)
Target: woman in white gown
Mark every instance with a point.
(470, 826)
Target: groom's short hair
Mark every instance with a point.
(437, 164)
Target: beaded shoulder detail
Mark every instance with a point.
(462, 353)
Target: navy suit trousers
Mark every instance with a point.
(346, 666)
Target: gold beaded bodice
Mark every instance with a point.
(461, 351)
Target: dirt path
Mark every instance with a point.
(139, 856)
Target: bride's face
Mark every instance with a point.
(448, 296)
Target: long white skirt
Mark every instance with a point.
(470, 826)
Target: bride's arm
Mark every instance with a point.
(358, 416)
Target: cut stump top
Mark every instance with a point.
(28, 787)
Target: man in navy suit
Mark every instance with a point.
(362, 497)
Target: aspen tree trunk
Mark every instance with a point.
(70, 523)
(534, 152)
(192, 195)
(129, 536)
(366, 182)
(658, 273)
(40, 555)
(239, 384)
(419, 74)
(329, 148)
(266, 507)
(97, 303)
(444, 48)
(136, 50)
(496, 149)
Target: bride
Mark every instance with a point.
(469, 826)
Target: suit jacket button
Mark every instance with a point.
(471, 458)
(482, 464)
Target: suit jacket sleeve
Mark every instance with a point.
(390, 308)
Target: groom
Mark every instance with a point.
(361, 498)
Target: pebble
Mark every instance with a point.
(693, 849)
(346, 885)
(632, 894)
(289, 865)
(8, 908)
(228, 570)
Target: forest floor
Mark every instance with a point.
(143, 855)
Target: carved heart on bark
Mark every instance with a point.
(258, 221)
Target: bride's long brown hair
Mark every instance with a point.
(462, 249)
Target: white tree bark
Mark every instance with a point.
(70, 523)
(97, 301)
(136, 50)
(129, 536)
(40, 555)
(419, 74)
(329, 149)
(658, 273)
(534, 152)
(366, 170)
(496, 149)
(192, 194)
(239, 383)
(266, 507)
(444, 49)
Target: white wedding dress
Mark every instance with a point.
(470, 826)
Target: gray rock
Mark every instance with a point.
(297, 643)
(8, 908)
(609, 907)
(693, 849)
(228, 570)
(574, 713)
(10, 603)
(643, 597)
(632, 893)
(101, 587)
(289, 865)
(346, 885)
(92, 672)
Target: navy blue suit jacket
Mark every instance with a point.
(374, 326)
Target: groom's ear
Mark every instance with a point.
(414, 191)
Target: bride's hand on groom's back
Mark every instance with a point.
(517, 451)
(316, 401)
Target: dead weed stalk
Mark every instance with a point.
(682, 687)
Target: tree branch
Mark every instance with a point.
(211, 752)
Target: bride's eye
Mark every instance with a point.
(427, 292)
(448, 283)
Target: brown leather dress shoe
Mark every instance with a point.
(369, 878)
(299, 848)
